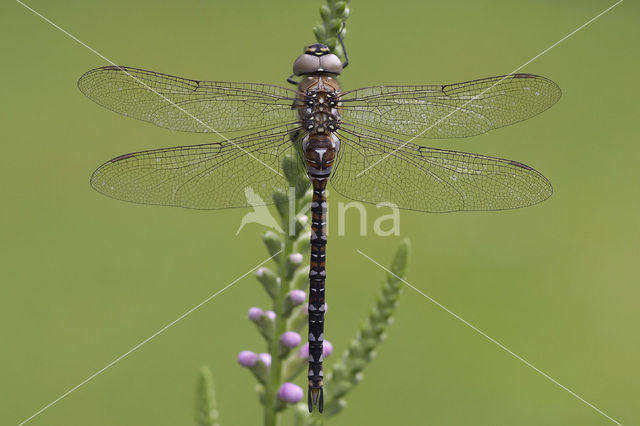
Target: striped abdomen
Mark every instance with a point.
(317, 275)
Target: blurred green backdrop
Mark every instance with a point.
(84, 278)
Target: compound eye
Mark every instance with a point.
(306, 64)
(331, 63)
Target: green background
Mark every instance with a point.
(84, 278)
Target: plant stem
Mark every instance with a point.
(275, 376)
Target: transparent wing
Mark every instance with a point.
(450, 110)
(188, 105)
(235, 173)
(375, 168)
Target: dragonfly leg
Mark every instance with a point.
(291, 80)
(346, 57)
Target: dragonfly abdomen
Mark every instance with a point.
(317, 276)
(320, 153)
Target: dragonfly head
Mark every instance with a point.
(317, 49)
(317, 58)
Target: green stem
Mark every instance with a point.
(333, 14)
(275, 376)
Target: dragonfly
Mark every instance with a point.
(360, 142)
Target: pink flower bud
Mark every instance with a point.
(255, 314)
(297, 296)
(290, 339)
(304, 351)
(265, 358)
(271, 315)
(247, 358)
(290, 393)
(295, 258)
(327, 349)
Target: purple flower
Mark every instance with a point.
(304, 351)
(255, 314)
(297, 296)
(271, 315)
(290, 393)
(290, 339)
(265, 358)
(247, 358)
(327, 349)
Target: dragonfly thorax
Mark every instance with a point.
(320, 113)
(319, 103)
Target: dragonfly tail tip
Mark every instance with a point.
(316, 397)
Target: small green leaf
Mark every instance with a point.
(301, 278)
(294, 366)
(298, 318)
(206, 406)
(334, 409)
(265, 327)
(261, 372)
(320, 33)
(274, 244)
(269, 281)
(325, 13)
(302, 223)
(400, 260)
(281, 200)
(334, 26)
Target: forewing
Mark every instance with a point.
(240, 172)
(188, 105)
(450, 110)
(374, 168)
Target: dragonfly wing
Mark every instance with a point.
(450, 110)
(188, 105)
(240, 172)
(375, 168)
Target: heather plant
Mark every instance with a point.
(286, 355)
